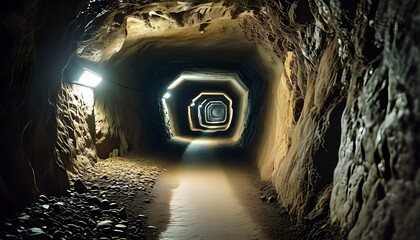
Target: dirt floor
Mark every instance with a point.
(188, 191)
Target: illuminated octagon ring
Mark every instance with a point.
(208, 105)
(223, 125)
(215, 112)
(207, 127)
(231, 79)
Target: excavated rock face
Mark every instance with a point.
(334, 111)
(376, 182)
(369, 52)
(35, 47)
(75, 145)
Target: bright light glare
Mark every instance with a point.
(89, 79)
(167, 95)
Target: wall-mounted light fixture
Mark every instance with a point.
(76, 73)
(166, 95)
(89, 79)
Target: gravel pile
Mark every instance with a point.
(105, 202)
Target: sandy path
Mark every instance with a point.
(204, 197)
(204, 206)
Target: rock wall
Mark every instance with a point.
(35, 47)
(363, 57)
(75, 143)
(296, 150)
(118, 120)
(377, 180)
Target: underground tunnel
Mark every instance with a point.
(195, 119)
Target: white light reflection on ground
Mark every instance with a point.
(203, 204)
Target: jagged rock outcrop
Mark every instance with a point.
(75, 142)
(366, 50)
(376, 183)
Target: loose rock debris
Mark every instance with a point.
(105, 202)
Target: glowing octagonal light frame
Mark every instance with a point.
(231, 78)
(210, 128)
(206, 104)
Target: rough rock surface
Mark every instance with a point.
(304, 108)
(376, 183)
(75, 143)
(367, 50)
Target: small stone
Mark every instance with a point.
(263, 198)
(39, 236)
(79, 186)
(36, 230)
(95, 212)
(23, 217)
(118, 232)
(142, 216)
(106, 230)
(73, 226)
(147, 200)
(121, 226)
(94, 200)
(105, 223)
(45, 206)
(271, 199)
(56, 208)
(105, 204)
(104, 177)
(11, 237)
(42, 198)
(113, 205)
(81, 223)
(59, 234)
(151, 227)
